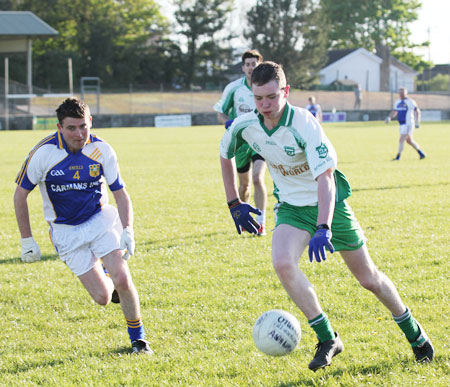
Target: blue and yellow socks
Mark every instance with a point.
(136, 329)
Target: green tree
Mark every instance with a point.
(105, 38)
(369, 23)
(289, 32)
(200, 21)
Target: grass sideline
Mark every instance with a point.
(202, 287)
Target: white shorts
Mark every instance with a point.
(406, 128)
(79, 247)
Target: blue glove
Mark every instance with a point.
(228, 123)
(317, 244)
(242, 218)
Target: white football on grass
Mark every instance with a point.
(276, 332)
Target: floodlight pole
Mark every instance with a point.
(6, 94)
(69, 61)
(29, 71)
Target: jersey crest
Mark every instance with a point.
(94, 170)
(290, 151)
(322, 150)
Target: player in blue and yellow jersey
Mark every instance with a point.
(72, 168)
(408, 115)
(313, 209)
(237, 99)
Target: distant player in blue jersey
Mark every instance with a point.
(408, 115)
(72, 168)
(237, 99)
(314, 108)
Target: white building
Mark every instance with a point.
(365, 68)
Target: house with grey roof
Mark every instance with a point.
(373, 72)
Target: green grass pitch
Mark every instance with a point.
(202, 286)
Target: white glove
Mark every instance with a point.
(30, 250)
(127, 242)
(387, 120)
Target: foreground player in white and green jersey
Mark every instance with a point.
(312, 209)
(237, 99)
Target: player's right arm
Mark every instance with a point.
(240, 211)
(222, 118)
(30, 249)
(21, 209)
(224, 107)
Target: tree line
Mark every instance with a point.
(130, 42)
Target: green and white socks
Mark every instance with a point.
(410, 328)
(321, 325)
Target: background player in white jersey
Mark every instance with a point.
(237, 99)
(313, 210)
(408, 115)
(71, 168)
(314, 108)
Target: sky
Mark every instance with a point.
(433, 24)
(434, 15)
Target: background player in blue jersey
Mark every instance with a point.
(237, 99)
(408, 115)
(314, 108)
(72, 168)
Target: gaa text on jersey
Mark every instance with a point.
(57, 172)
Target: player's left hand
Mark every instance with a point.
(317, 244)
(387, 120)
(417, 125)
(127, 242)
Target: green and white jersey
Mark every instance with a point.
(296, 151)
(237, 99)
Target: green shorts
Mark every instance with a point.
(347, 233)
(243, 156)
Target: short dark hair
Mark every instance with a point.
(269, 71)
(252, 54)
(72, 107)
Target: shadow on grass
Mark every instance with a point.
(28, 366)
(48, 257)
(401, 187)
(122, 351)
(334, 373)
(176, 241)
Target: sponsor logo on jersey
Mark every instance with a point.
(291, 171)
(269, 142)
(57, 172)
(75, 167)
(94, 170)
(244, 109)
(290, 151)
(256, 147)
(322, 150)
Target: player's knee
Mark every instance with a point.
(122, 282)
(371, 282)
(283, 264)
(258, 180)
(103, 298)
